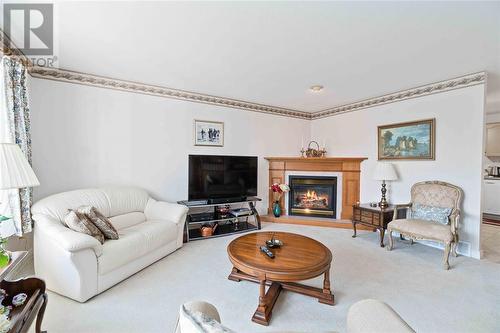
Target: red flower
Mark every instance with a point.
(276, 188)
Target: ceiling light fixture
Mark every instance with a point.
(316, 88)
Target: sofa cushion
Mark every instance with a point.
(127, 220)
(124, 200)
(80, 223)
(134, 242)
(57, 205)
(430, 213)
(100, 221)
(426, 229)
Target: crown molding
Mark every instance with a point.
(141, 88)
(63, 75)
(428, 89)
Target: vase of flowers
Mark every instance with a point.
(278, 190)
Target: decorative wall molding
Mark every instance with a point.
(141, 88)
(433, 88)
(135, 87)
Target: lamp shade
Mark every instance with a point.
(15, 171)
(385, 171)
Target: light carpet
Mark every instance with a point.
(410, 279)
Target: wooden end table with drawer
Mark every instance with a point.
(373, 217)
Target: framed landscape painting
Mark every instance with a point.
(208, 133)
(407, 141)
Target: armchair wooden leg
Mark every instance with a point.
(411, 241)
(454, 249)
(391, 241)
(455, 246)
(446, 264)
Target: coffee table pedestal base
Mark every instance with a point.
(267, 299)
(266, 302)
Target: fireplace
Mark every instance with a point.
(312, 196)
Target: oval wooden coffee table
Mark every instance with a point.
(300, 258)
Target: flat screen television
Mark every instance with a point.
(222, 178)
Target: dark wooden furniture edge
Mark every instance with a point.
(22, 316)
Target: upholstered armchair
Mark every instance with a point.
(433, 214)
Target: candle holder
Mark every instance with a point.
(312, 152)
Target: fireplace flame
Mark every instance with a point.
(311, 195)
(311, 199)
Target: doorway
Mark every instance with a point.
(490, 228)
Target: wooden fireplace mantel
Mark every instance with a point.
(350, 167)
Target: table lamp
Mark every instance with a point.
(384, 172)
(15, 172)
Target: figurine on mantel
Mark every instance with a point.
(313, 152)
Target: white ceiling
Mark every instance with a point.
(271, 52)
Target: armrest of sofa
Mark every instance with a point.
(207, 309)
(66, 238)
(161, 210)
(373, 316)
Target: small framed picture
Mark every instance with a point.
(208, 133)
(415, 140)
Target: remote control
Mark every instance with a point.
(267, 252)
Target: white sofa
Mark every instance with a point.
(76, 265)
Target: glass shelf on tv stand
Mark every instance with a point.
(187, 203)
(227, 226)
(232, 218)
(223, 230)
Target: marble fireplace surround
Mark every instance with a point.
(346, 169)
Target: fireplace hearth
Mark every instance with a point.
(312, 196)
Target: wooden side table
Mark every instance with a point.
(373, 217)
(22, 316)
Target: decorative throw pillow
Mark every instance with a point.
(80, 223)
(430, 213)
(197, 322)
(100, 221)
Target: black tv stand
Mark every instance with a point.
(225, 226)
(217, 201)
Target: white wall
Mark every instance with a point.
(86, 136)
(459, 145)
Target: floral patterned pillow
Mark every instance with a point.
(100, 221)
(430, 213)
(81, 223)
